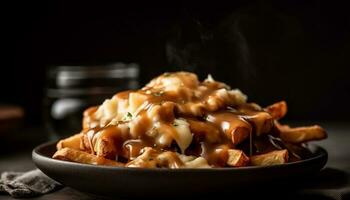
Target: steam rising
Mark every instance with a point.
(205, 48)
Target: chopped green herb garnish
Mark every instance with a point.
(127, 117)
(158, 94)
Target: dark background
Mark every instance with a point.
(271, 50)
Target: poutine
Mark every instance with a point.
(177, 121)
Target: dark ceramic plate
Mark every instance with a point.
(133, 182)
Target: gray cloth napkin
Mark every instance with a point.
(27, 184)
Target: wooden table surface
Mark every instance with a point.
(336, 182)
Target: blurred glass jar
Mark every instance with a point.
(72, 89)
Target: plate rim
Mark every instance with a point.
(37, 155)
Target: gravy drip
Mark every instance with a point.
(218, 119)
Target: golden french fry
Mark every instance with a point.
(232, 125)
(204, 131)
(300, 134)
(277, 110)
(85, 143)
(71, 142)
(271, 158)
(237, 158)
(102, 143)
(106, 142)
(239, 134)
(74, 155)
(262, 121)
(105, 147)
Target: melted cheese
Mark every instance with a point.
(156, 116)
(183, 136)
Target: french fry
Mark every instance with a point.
(204, 131)
(271, 158)
(262, 121)
(300, 134)
(105, 147)
(74, 155)
(72, 142)
(237, 158)
(277, 110)
(239, 134)
(85, 143)
(233, 126)
(102, 143)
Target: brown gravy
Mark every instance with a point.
(214, 124)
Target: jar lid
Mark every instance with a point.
(91, 76)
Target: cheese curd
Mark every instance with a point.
(158, 116)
